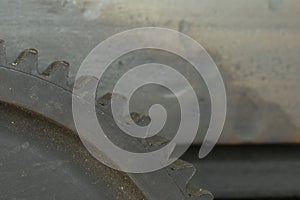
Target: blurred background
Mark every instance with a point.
(255, 44)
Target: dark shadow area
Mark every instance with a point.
(250, 171)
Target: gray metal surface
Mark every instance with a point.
(49, 94)
(40, 160)
(255, 43)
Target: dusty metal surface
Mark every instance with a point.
(49, 94)
(40, 160)
(255, 43)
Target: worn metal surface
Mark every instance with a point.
(255, 43)
(40, 160)
(49, 94)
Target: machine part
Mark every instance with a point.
(40, 160)
(49, 94)
(256, 45)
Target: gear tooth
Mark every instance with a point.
(27, 61)
(58, 72)
(105, 99)
(71, 82)
(83, 85)
(3, 61)
(195, 192)
(184, 169)
(182, 172)
(156, 140)
(60, 67)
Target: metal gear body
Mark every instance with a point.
(49, 94)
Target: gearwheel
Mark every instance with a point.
(41, 155)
